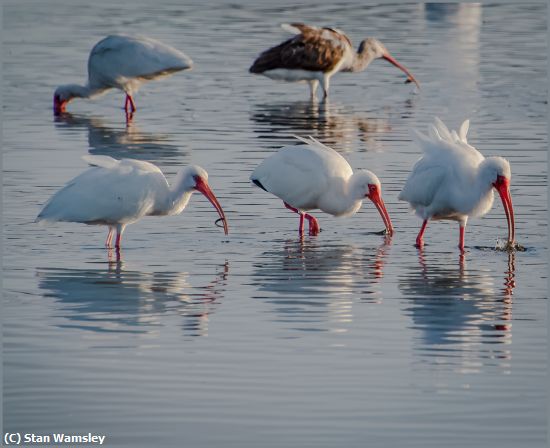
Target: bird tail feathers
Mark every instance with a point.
(302, 139)
(102, 161)
(438, 132)
(318, 143)
(313, 142)
(291, 28)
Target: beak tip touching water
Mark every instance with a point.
(203, 187)
(59, 106)
(379, 203)
(410, 78)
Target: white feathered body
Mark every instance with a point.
(112, 192)
(308, 177)
(446, 182)
(125, 62)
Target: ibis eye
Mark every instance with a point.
(198, 180)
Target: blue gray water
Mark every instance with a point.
(260, 339)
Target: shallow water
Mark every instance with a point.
(259, 338)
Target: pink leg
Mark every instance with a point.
(129, 108)
(129, 102)
(117, 241)
(314, 228)
(295, 210)
(119, 231)
(132, 104)
(109, 237)
(419, 238)
(461, 238)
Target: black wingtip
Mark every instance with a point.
(254, 69)
(259, 184)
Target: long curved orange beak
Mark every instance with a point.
(375, 197)
(202, 186)
(410, 78)
(59, 106)
(502, 185)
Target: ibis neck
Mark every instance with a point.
(173, 199)
(481, 195)
(363, 57)
(179, 196)
(78, 91)
(342, 198)
(178, 202)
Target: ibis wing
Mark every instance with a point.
(295, 175)
(117, 58)
(330, 162)
(104, 196)
(423, 183)
(442, 177)
(315, 49)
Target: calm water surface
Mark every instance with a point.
(260, 339)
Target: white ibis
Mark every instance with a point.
(315, 54)
(314, 176)
(116, 193)
(124, 63)
(452, 180)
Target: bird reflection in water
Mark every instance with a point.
(457, 54)
(125, 141)
(333, 124)
(116, 300)
(114, 258)
(377, 264)
(507, 291)
(313, 287)
(458, 310)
